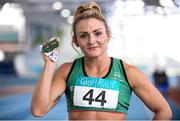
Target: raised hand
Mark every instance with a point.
(50, 50)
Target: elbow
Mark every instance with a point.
(164, 114)
(169, 113)
(37, 112)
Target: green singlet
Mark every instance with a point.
(109, 93)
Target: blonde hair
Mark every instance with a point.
(86, 11)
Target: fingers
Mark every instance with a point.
(45, 57)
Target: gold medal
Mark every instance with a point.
(51, 45)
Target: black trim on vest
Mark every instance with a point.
(84, 71)
(67, 90)
(123, 106)
(126, 103)
(122, 65)
(83, 67)
(68, 96)
(109, 68)
(70, 71)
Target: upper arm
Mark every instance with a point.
(145, 90)
(58, 84)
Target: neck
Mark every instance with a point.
(97, 66)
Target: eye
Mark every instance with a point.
(83, 35)
(98, 33)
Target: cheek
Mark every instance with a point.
(103, 39)
(81, 43)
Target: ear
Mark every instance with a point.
(109, 35)
(108, 38)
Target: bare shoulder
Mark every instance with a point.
(66, 66)
(135, 76)
(64, 69)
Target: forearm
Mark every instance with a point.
(41, 94)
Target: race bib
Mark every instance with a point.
(96, 92)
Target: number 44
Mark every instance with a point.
(100, 98)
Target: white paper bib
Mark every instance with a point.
(96, 92)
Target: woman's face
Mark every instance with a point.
(92, 37)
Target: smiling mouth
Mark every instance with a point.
(92, 48)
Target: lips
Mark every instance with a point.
(93, 48)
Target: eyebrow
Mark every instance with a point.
(93, 31)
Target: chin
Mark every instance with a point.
(93, 55)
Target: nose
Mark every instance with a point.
(92, 39)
